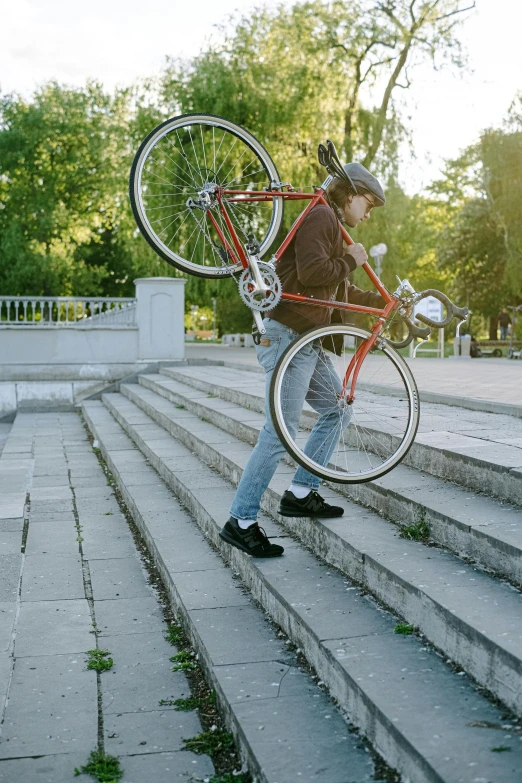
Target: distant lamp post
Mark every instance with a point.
(378, 252)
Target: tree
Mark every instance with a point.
(61, 163)
(295, 76)
(482, 244)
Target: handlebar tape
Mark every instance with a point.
(413, 331)
(453, 311)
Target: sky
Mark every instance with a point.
(119, 41)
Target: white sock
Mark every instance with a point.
(299, 492)
(244, 523)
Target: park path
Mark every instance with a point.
(71, 581)
(497, 380)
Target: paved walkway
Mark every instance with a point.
(71, 581)
(482, 379)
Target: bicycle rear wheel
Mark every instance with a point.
(177, 166)
(348, 444)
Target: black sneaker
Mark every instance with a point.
(313, 505)
(253, 540)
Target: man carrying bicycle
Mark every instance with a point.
(316, 265)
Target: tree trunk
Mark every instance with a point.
(493, 327)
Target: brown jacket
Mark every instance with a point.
(316, 264)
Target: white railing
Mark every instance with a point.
(70, 311)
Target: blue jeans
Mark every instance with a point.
(503, 332)
(310, 376)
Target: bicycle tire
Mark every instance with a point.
(331, 472)
(211, 121)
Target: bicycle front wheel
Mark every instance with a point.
(172, 183)
(348, 444)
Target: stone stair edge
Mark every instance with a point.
(215, 673)
(414, 766)
(483, 546)
(454, 400)
(489, 662)
(468, 470)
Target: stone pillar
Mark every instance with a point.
(160, 317)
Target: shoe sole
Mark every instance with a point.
(312, 516)
(237, 545)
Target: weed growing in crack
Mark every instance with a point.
(209, 742)
(420, 531)
(183, 662)
(230, 777)
(500, 749)
(180, 407)
(99, 660)
(192, 703)
(404, 629)
(105, 769)
(174, 634)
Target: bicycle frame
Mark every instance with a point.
(238, 254)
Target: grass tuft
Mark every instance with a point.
(192, 703)
(500, 749)
(404, 629)
(209, 742)
(230, 777)
(174, 634)
(105, 769)
(180, 407)
(420, 531)
(99, 660)
(183, 662)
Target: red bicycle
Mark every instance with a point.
(208, 199)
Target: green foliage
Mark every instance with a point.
(99, 660)
(209, 742)
(104, 768)
(404, 629)
(174, 634)
(419, 531)
(183, 661)
(481, 247)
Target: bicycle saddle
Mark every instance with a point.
(329, 158)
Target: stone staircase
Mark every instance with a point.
(441, 704)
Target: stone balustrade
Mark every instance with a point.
(66, 311)
(59, 350)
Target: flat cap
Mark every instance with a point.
(360, 176)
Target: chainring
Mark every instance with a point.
(247, 287)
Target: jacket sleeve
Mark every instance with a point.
(368, 298)
(313, 247)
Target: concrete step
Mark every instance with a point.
(477, 527)
(474, 619)
(439, 397)
(424, 718)
(474, 449)
(272, 705)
